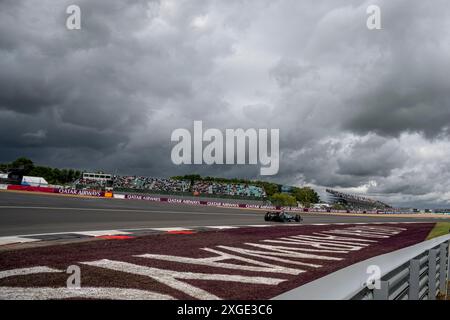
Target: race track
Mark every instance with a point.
(243, 263)
(26, 213)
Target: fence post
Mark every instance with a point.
(414, 278)
(443, 268)
(448, 269)
(383, 292)
(448, 261)
(432, 274)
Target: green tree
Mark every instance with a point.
(23, 163)
(306, 195)
(283, 200)
(52, 175)
(338, 206)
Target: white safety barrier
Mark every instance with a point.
(420, 271)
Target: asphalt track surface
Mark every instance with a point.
(26, 213)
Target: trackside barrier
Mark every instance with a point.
(417, 272)
(31, 188)
(108, 194)
(422, 278)
(232, 205)
(91, 193)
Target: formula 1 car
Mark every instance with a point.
(282, 216)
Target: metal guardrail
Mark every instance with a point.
(407, 273)
(422, 278)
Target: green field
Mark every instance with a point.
(439, 229)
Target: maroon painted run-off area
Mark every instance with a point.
(190, 245)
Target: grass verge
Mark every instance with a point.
(440, 229)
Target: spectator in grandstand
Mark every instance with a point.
(176, 186)
(217, 188)
(151, 184)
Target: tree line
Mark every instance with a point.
(52, 175)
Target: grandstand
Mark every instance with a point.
(94, 181)
(171, 186)
(150, 184)
(355, 202)
(228, 189)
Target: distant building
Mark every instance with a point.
(355, 202)
(34, 181)
(97, 176)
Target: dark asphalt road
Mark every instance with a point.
(22, 214)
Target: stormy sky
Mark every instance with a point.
(359, 110)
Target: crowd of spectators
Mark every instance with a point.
(90, 184)
(229, 189)
(152, 184)
(163, 185)
(199, 187)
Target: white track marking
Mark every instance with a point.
(25, 271)
(172, 278)
(36, 293)
(272, 254)
(171, 229)
(10, 240)
(216, 262)
(258, 225)
(222, 227)
(102, 233)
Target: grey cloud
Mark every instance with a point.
(373, 157)
(355, 108)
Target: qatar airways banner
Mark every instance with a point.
(233, 205)
(196, 202)
(90, 193)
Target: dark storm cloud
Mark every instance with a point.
(373, 157)
(362, 110)
(411, 90)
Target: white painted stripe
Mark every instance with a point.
(257, 225)
(223, 227)
(26, 271)
(174, 279)
(101, 233)
(171, 229)
(17, 293)
(10, 240)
